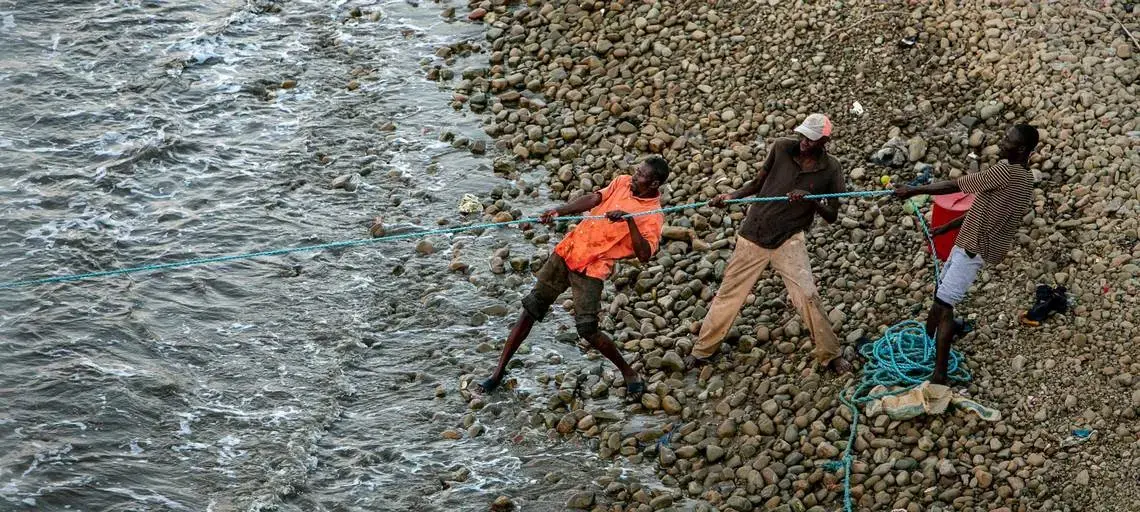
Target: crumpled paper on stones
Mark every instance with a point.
(470, 204)
(926, 398)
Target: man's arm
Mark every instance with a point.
(949, 226)
(641, 247)
(579, 205)
(828, 209)
(933, 189)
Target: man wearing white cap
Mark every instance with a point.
(773, 233)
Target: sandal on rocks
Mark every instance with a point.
(693, 362)
(488, 385)
(634, 390)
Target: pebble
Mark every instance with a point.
(727, 429)
(714, 453)
(348, 182)
(984, 478)
(425, 248)
(661, 502)
(672, 362)
(990, 110)
(502, 504)
(496, 310)
(478, 319)
(916, 149)
(581, 501)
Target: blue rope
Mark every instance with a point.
(404, 236)
(929, 241)
(902, 358)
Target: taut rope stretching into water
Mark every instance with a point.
(402, 236)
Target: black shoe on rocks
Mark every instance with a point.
(1047, 300)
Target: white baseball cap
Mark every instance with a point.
(815, 127)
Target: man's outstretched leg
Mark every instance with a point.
(514, 341)
(587, 293)
(791, 261)
(744, 268)
(553, 279)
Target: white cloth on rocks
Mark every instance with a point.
(926, 398)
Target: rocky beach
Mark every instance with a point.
(147, 132)
(578, 92)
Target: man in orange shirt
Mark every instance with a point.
(585, 258)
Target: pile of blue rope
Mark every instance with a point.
(898, 361)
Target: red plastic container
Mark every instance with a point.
(947, 208)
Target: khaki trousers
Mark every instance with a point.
(748, 261)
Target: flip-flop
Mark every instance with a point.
(634, 390)
(962, 327)
(831, 366)
(694, 362)
(1025, 320)
(488, 385)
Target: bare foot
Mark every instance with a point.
(840, 366)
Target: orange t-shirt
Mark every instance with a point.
(593, 246)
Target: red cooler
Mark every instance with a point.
(947, 208)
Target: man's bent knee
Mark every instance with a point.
(587, 329)
(537, 303)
